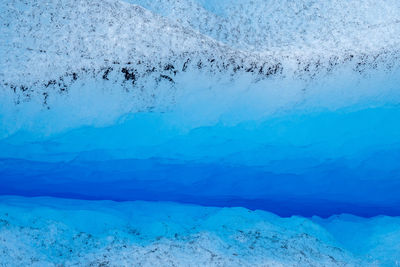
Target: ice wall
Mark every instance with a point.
(291, 106)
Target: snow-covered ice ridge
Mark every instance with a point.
(60, 232)
(146, 47)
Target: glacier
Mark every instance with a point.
(197, 106)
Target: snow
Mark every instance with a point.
(52, 232)
(287, 25)
(82, 50)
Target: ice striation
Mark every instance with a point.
(290, 107)
(181, 101)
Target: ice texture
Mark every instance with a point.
(142, 109)
(54, 232)
(286, 106)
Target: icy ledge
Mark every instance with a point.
(54, 232)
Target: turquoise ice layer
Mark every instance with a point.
(319, 163)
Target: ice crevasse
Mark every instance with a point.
(185, 123)
(290, 107)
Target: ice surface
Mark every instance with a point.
(290, 107)
(50, 232)
(181, 101)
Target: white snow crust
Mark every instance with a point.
(91, 62)
(60, 232)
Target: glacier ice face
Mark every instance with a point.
(289, 106)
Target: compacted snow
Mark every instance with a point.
(61, 232)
